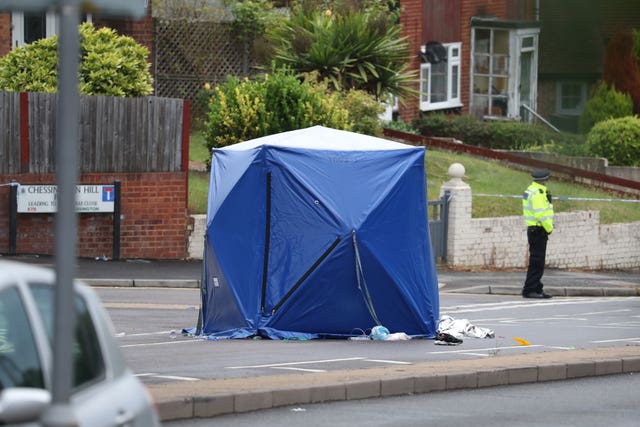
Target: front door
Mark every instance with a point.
(527, 76)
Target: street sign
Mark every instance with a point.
(44, 198)
(131, 8)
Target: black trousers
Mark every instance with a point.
(537, 237)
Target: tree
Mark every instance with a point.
(110, 65)
(352, 46)
(620, 69)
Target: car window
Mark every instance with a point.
(88, 362)
(20, 364)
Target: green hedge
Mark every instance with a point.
(501, 135)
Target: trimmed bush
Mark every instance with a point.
(110, 65)
(616, 139)
(605, 103)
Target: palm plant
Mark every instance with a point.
(352, 48)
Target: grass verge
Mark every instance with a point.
(484, 177)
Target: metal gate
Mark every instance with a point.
(438, 215)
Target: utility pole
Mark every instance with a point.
(60, 413)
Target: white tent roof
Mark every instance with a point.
(321, 138)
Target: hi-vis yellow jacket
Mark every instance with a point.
(536, 208)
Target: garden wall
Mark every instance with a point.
(578, 240)
(153, 220)
(141, 142)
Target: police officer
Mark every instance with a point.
(538, 215)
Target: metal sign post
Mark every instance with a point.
(60, 414)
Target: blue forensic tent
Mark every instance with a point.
(318, 232)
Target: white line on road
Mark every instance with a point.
(159, 343)
(298, 369)
(616, 340)
(124, 334)
(595, 312)
(473, 308)
(168, 377)
(177, 378)
(393, 362)
(296, 363)
(536, 319)
(486, 349)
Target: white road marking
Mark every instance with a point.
(393, 362)
(159, 343)
(616, 340)
(151, 306)
(508, 305)
(168, 377)
(486, 349)
(595, 312)
(298, 369)
(124, 334)
(177, 378)
(296, 363)
(536, 319)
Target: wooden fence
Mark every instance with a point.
(147, 134)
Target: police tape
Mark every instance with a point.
(587, 199)
(9, 184)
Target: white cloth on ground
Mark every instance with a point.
(462, 327)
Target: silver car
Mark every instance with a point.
(105, 391)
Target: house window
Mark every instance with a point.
(491, 72)
(30, 27)
(571, 97)
(504, 57)
(440, 80)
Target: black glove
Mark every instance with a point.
(549, 197)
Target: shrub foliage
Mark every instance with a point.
(353, 45)
(616, 139)
(605, 103)
(497, 134)
(110, 65)
(240, 110)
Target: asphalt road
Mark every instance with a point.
(587, 402)
(144, 319)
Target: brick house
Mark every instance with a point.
(573, 41)
(474, 56)
(504, 57)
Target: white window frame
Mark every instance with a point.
(453, 99)
(51, 27)
(516, 36)
(559, 96)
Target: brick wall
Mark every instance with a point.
(5, 33)
(154, 220)
(141, 30)
(578, 239)
(411, 20)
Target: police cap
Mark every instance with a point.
(540, 174)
